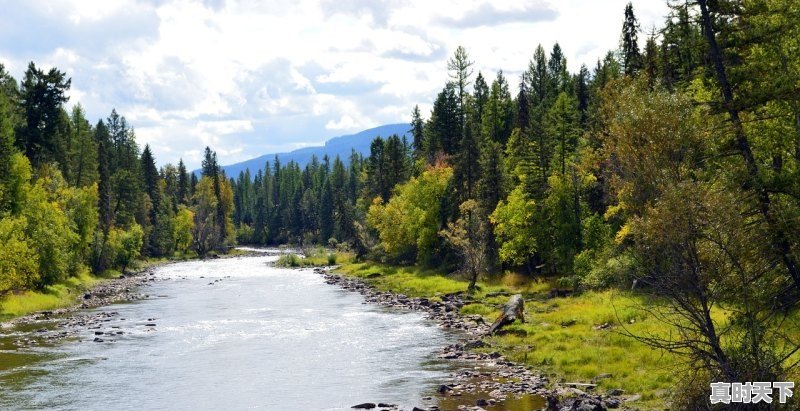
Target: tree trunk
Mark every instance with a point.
(512, 310)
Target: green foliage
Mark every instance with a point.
(19, 262)
(184, 226)
(468, 236)
(514, 226)
(408, 225)
(631, 58)
(49, 228)
(81, 208)
(564, 209)
(289, 260)
(210, 231)
(126, 245)
(316, 257)
(42, 95)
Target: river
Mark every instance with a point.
(232, 333)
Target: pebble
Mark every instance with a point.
(494, 376)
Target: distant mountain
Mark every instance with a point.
(341, 146)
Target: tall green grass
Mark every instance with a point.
(318, 257)
(59, 295)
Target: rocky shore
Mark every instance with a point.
(70, 322)
(489, 378)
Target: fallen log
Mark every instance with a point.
(512, 311)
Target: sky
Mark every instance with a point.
(250, 77)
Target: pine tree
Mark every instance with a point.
(480, 95)
(84, 149)
(466, 170)
(417, 129)
(498, 113)
(150, 177)
(183, 183)
(104, 177)
(8, 120)
(444, 127)
(460, 71)
(557, 71)
(42, 96)
(523, 114)
(582, 95)
(650, 65)
(562, 125)
(326, 212)
(631, 58)
(539, 77)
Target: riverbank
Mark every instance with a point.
(87, 291)
(569, 349)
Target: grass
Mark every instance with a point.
(579, 352)
(66, 293)
(59, 295)
(318, 257)
(562, 337)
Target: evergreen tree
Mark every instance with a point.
(183, 184)
(443, 129)
(582, 95)
(150, 176)
(42, 96)
(562, 124)
(460, 68)
(480, 95)
(631, 58)
(8, 122)
(417, 130)
(557, 71)
(326, 212)
(375, 170)
(498, 113)
(104, 177)
(539, 77)
(83, 157)
(523, 113)
(466, 171)
(650, 65)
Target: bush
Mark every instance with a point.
(126, 245)
(19, 263)
(289, 260)
(332, 259)
(245, 234)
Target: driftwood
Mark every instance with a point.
(512, 311)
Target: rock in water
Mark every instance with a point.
(364, 406)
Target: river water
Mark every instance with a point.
(232, 334)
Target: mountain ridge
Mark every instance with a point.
(340, 145)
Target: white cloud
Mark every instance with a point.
(250, 77)
(345, 123)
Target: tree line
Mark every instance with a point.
(672, 167)
(77, 197)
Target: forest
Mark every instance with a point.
(77, 197)
(673, 168)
